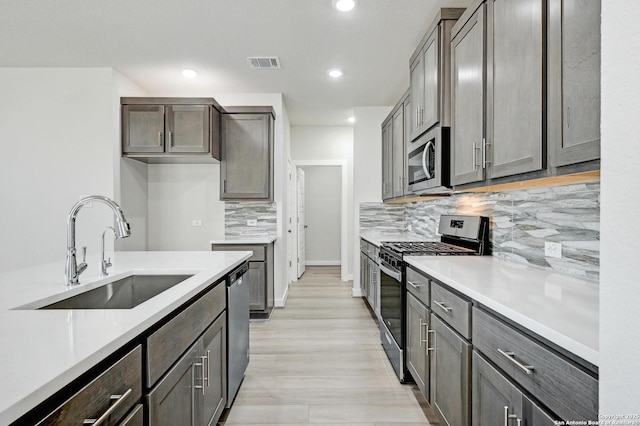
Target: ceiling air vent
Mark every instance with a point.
(264, 62)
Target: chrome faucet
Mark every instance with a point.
(72, 270)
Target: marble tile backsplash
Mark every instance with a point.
(236, 216)
(521, 222)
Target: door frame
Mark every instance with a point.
(343, 207)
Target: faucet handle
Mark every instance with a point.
(84, 254)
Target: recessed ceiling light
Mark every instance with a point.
(344, 5)
(189, 73)
(335, 72)
(351, 119)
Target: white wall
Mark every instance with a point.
(367, 172)
(178, 195)
(323, 194)
(620, 228)
(321, 144)
(57, 143)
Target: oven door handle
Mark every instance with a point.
(393, 274)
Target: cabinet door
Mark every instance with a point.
(247, 157)
(574, 80)
(173, 400)
(496, 401)
(417, 95)
(364, 268)
(450, 374)
(257, 285)
(417, 343)
(142, 128)
(431, 59)
(468, 100)
(372, 282)
(398, 152)
(187, 128)
(214, 360)
(387, 161)
(515, 54)
(536, 416)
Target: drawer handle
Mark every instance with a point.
(119, 399)
(414, 285)
(508, 416)
(528, 369)
(426, 339)
(442, 306)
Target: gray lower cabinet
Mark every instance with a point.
(246, 165)
(109, 397)
(364, 274)
(259, 276)
(162, 129)
(568, 391)
(193, 391)
(574, 81)
(417, 343)
(498, 401)
(450, 374)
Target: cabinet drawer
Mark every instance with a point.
(123, 379)
(418, 285)
(259, 251)
(453, 309)
(165, 345)
(564, 388)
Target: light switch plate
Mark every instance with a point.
(252, 222)
(552, 249)
(196, 222)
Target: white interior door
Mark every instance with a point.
(302, 261)
(291, 215)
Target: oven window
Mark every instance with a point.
(391, 305)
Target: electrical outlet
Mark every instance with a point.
(252, 222)
(552, 249)
(196, 222)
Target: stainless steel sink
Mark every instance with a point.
(125, 293)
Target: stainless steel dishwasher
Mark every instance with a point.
(237, 330)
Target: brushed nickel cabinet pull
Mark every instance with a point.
(119, 399)
(527, 369)
(442, 306)
(414, 285)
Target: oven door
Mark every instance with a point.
(392, 317)
(428, 162)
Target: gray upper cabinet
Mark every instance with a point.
(165, 129)
(246, 169)
(395, 131)
(387, 160)
(398, 147)
(574, 81)
(515, 52)
(430, 75)
(468, 95)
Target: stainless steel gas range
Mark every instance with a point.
(459, 236)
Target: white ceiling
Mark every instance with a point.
(151, 41)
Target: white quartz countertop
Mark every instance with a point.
(43, 350)
(377, 238)
(245, 240)
(560, 308)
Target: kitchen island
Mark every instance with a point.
(44, 350)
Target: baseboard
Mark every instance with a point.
(323, 263)
(280, 303)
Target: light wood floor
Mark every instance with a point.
(319, 361)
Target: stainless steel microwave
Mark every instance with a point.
(428, 162)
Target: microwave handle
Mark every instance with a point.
(424, 160)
